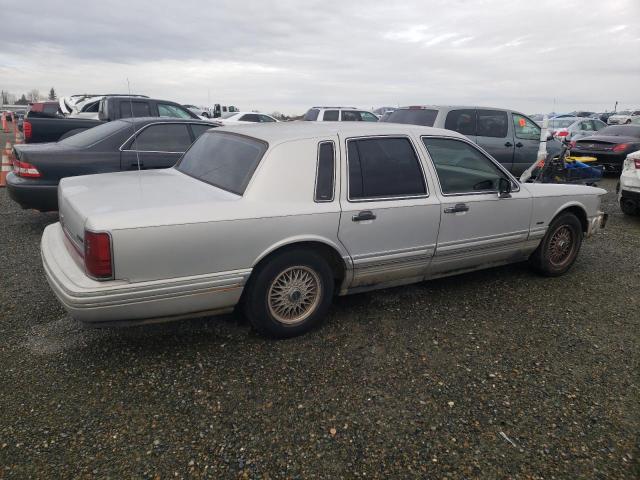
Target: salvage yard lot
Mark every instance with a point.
(499, 373)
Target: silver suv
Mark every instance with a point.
(339, 114)
(510, 137)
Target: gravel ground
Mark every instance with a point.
(495, 374)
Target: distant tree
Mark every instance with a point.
(52, 94)
(33, 95)
(22, 100)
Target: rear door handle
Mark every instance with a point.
(459, 207)
(519, 144)
(364, 215)
(508, 144)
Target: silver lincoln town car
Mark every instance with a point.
(278, 218)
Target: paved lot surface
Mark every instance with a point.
(496, 374)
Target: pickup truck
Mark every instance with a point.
(39, 129)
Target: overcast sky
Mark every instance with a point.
(290, 55)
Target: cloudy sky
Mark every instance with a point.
(289, 55)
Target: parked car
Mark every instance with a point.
(510, 137)
(230, 118)
(111, 107)
(130, 144)
(201, 112)
(361, 206)
(610, 146)
(624, 117)
(339, 114)
(573, 128)
(629, 185)
(87, 105)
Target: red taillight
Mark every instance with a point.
(97, 255)
(621, 147)
(26, 130)
(37, 107)
(562, 133)
(637, 164)
(24, 169)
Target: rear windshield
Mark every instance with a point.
(414, 117)
(224, 160)
(621, 131)
(95, 134)
(562, 122)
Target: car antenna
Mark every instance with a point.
(133, 125)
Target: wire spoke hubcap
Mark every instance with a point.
(561, 245)
(294, 294)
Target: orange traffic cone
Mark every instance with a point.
(5, 127)
(5, 167)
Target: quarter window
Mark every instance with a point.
(330, 116)
(266, 119)
(525, 129)
(350, 116)
(325, 173)
(461, 121)
(368, 117)
(461, 167)
(163, 138)
(492, 123)
(382, 168)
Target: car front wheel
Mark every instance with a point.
(559, 247)
(289, 294)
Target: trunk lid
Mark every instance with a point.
(134, 199)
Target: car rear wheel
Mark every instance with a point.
(289, 294)
(560, 246)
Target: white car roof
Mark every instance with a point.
(273, 132)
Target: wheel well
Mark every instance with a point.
(580, 213)
(330, 254)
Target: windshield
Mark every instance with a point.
(224, 160)
(414, 117)
(561, 123)
(95, 134)
(621, 131)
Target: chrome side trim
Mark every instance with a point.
(481, 244)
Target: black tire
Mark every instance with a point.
(627, 122)
(560, 246)
(263, 314)
(628, 207)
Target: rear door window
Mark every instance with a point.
(249, 117)
(134, 109)
(331, 115)
(492, 123)
(384, 168)
(165, 137)
(461, 121)
(325, 172)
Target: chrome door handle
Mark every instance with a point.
(364, 215)
(459, 207)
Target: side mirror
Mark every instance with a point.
(504, 188)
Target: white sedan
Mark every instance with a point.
(233, 118)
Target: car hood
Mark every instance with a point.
(137, 199)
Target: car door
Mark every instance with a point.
(495, 137)
(158, 145)
(527, 138)
(477, 227)
(389, 221)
